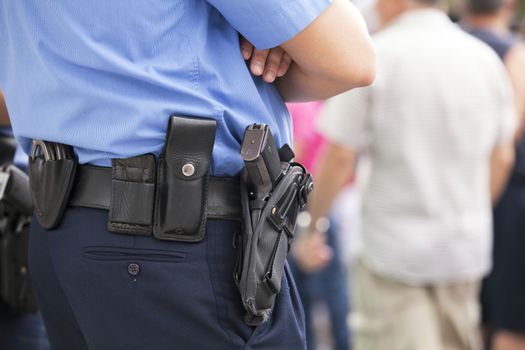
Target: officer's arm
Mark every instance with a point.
(4, 117)
(332, 55)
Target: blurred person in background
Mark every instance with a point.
(438, 124)
(503, 292)
(368, 9)
(329, 284)
(19, 330)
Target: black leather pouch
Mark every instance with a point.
(16, 211)
(182, 179)
(50, 182)
(132, 195)
(267, 239)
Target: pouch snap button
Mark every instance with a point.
(188, 169)
(133, 269)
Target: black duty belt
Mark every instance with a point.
(170, 196)
(92, 189)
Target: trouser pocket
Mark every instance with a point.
(124, 254)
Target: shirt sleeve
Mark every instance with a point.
(269, 23)
(345, 120)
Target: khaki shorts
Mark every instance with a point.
(393, 316)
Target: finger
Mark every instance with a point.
(326, 253)
(320, 258)
(273, 61)
(316, 260)
(258, 61)
(319, 238)
(311, 252)
(286, 61)
(246, 48)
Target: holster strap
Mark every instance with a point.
(92, 189)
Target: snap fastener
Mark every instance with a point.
(188, 169)
(133, 269)
(310, 187)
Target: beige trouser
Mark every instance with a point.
(393, 316)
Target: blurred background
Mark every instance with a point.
(327, 294)
(456, 8)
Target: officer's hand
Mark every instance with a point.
(271, 63)
(311, 252)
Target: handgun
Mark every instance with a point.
(261, 157)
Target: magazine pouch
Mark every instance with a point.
(182, 180)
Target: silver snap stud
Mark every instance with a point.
(133, 269)
(188, 169)
(310, 187)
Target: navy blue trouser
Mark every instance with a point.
(21, 330)
(99, 290)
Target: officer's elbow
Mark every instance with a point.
(361, 71)
(368, 73)
(364, 77)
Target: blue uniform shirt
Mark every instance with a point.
(104, 76)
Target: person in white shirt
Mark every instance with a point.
(438, 125)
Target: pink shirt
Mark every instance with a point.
(307, 141)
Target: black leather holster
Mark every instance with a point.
(15, 216)
(52, 168)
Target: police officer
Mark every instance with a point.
(103, 77)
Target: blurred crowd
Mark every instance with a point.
(432, 257)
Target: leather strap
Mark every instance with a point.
(92, 189)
